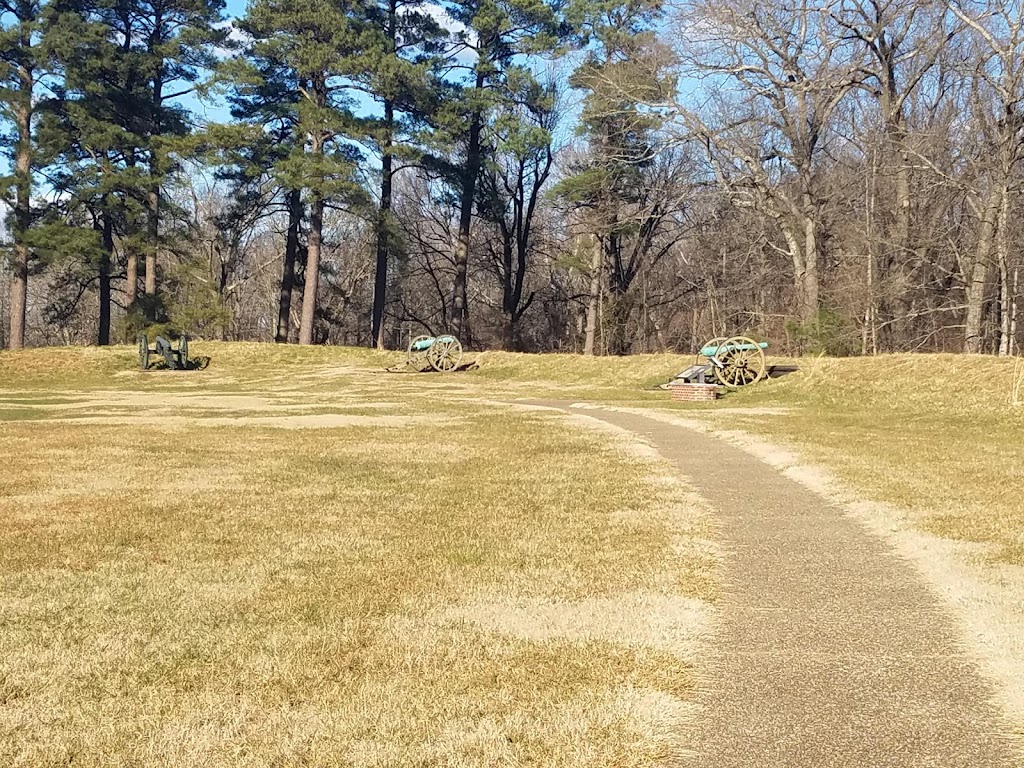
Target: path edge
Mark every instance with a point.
(981, 610)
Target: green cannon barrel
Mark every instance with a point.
(424, 344)
(712, 351)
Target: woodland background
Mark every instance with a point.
(596, 176)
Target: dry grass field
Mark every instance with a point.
(292, 558)
(936, 435)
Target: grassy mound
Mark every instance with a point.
(935, 434)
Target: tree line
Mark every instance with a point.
(600, 176)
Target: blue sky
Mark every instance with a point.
(214, 109)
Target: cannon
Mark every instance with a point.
(442, 353)
(176, 359)
(734, 361)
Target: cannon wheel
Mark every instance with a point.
(415, 356)
(445, 354)
(143, 352)
(739, 367)
(183, 353)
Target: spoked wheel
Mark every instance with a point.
(183, 353)
(143, 352)
(416, 354)
(445, 354)
(741, 362)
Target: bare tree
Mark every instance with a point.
(996, 68)
(511, 187)
(773, 78)
(907, 45)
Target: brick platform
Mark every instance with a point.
(694, 392)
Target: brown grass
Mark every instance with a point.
(198, 587)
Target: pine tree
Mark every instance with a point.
(498, 33)
(399, 68)
(312, 43)
(86, 128)
(20, 74)
(625, 69)
(264, 97)
(125, 64)
(173, 43)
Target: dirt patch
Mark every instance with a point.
(183, 402)
(764, 410)
(669, 623)
(176, 400)
(94, 484)
(309, 421)
(659, 716)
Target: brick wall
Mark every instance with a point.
(694, 392)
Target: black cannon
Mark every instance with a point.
(176, 359)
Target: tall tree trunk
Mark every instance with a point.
(978, 279)
(800, 268)
(19, 296)
(103, 331)
(899, 239)
(152, 235)
(508, 302)
(620, 309)
(380, 283)
(153, 198)
(975, 305)
(810, 307)
(615, 323)
(1013, 309)
(510, 333)
(594, 297)
(1003, 259)
(131, 283)
(291, 251)
(131, 287)
(901, 233)
(469, 179)
(1003, 349)
(869, 335)
(316, 228)
(23, 199)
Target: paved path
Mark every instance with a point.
(830, 651)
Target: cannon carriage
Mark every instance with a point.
(442, 353)
(734, 362)
(176, 359)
